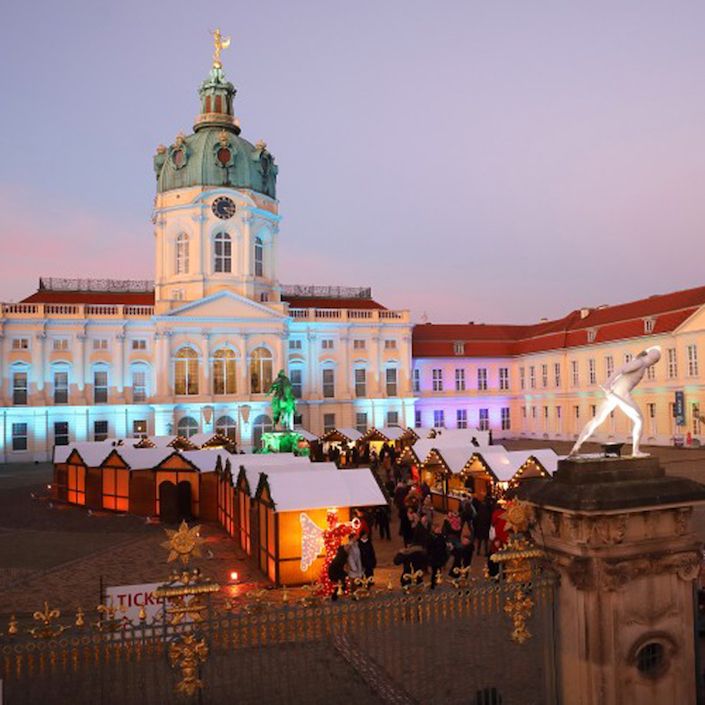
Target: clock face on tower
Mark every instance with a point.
(223, 208)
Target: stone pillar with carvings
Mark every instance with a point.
(619, 533)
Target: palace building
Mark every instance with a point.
(196, 350)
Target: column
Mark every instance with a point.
(120, 367)
(376, 359)
(344, 369)
(79, 373)
(243, 382)
(619, 533)
(312, 385)
(205, 380)
(39, 368)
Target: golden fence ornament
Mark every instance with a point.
(311, 598)
(412, 582)
(461, 577)
(187, 654)
(517, 559)
(48, 629)
(362, 588)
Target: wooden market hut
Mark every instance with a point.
(280, 500)
(397, 436)
(156, 442)
(212, 440)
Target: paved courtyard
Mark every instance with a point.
(65, 554)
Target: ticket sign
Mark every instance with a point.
(679, 409)
(130, 599)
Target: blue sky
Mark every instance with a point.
(478, 161)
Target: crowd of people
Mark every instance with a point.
(433, 541)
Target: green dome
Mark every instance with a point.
(215, 154)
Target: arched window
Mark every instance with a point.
(224, 372)
(225, 425)
(186, 372)
(182, 254)
(262, 424)
(222, 248)
(259, 257)
(260, 371)
(139, 374)
(187, 427)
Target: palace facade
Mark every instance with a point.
(196, 350)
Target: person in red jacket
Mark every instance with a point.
(499, 536)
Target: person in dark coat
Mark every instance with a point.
(482, 524)
(411, 559)
(382, 518)
(367, 555)
(462, 556)
(468, 511)
(437, 554)
(336, 570)
(406, 526)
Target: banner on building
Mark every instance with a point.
(679, 408)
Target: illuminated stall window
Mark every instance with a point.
(116, 489)
(76, 484)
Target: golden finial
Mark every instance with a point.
(219, 43)
(12, 627)
(223, 138)
(80, 618)
(184, 543)
(142, 616)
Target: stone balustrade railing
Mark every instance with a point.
(37, 310)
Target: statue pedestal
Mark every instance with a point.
(283, 442)
(618, 530)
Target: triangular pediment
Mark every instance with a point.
(225, 305)
(695, 323)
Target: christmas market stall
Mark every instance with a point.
(394, 436)
(156, 442)
(212, 440)
(339, 442)
(293, 510)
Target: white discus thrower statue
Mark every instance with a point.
(618, 394)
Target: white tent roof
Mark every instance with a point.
(198, 439)
(456, 436)
(306, 435)
(505, 464)
(253, 471)
(352, 433)
(160, 441)
(318, 489)
(141, 458)
(206, 458)
(392, 432)
(92, 452)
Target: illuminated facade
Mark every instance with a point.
(196, 350)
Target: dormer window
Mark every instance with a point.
(649, 324)
(591, 335)
(459, 348)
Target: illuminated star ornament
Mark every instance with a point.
(184, 543)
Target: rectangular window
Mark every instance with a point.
(532, 377)
(459, 380)
(139, 385)
(439, 420)
(100, 386)
(361, 422)
(506, 419)
(61, 433)
(437, 380)
(328, 422)
(417, 380)
(329, 383)
(116, 489)
(100, 430)
(651, 373)
(482, 378)
(139, 344)
(461, 417)
(327, 344)
(417, 418)
(522, 378)
(609, 366)
(593, 410)
(692, 360)
(592, 372)
(574, 373)
(139, 428)
(60, 344)
(672, 364)
(360, 382)
(392, 418)
(533, 412)
(19, 436)
(557, 374)
(19, 388)
(20, 343)
(296, 382)
(295, 344)
(391, 379)
(649, 324)
(100, 344)
(544, 376)
(576, 411)
(459, 348)
(61, 387)
(358, 344)
(558, 412)
(390, 344)
(484, 420)
(504, 378)
(628, 357)
(695, 416)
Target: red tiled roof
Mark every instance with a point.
(48, 296)
(609, 323)
(320, 302)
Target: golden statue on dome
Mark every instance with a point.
(219, 42)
